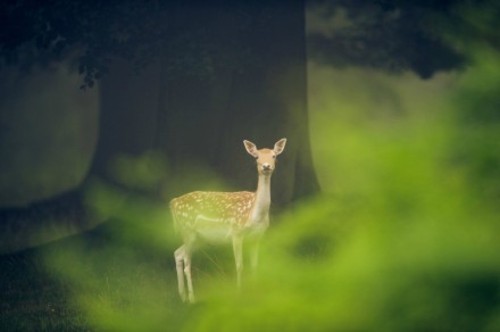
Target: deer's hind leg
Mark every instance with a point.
(179, 255)
(183, 266)
(187, 272)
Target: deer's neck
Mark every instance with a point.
(262, 202)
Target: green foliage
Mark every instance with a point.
(404, 238)
(399, 241)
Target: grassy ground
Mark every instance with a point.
(100, 280)
(32, 299)
(38, 292)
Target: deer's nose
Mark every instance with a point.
(266, 166)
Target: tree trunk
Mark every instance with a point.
(128, 111)
(204, 121)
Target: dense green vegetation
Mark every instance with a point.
(404, 237)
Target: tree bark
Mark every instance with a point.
(128, 111)
(204, 121)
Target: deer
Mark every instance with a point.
(224, 217)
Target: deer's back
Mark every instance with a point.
(222, 207)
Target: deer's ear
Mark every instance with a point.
(251, 148)
(279, 146)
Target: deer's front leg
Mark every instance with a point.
(238, 257)
(254, 256)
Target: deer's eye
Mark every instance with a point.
(274, 156)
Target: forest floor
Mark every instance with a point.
(37, 294)
(33, 299)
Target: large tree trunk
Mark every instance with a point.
(128, 112)
(204, 121)
(201, 119)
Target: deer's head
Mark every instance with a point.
(266, 158)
